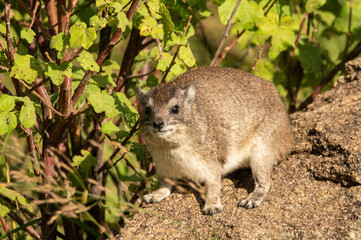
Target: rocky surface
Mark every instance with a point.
(316, 192)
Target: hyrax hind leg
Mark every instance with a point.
(261, 163)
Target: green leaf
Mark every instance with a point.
(283, 33)
(147, 26)
(289, 23)
(129, 113)
(87, 61)
(8, 122)
(28, 35)
(122, 21)
(57, 73)
(249, 14)
(27, 114)
(310, 57)
(185, 53)
(167, 23)
(84, 163)
(109, 128)
(102, 102)
(280, 42)
(97, 23)
(141, 152)
(7, 103)
(313, 5)
(264, 69)
(4, 210)
(102, 3)
(13, 195)
(59, 42)
(81, 36)
(225, 10)
(152, 81)
(26, 67)
(3, 27)
(110, 66)
(164, 62)
(103, 80)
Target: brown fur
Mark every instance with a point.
(227, 119)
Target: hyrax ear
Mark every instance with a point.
(189, 94)
(141, 95)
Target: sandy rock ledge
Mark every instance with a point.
(316, 192)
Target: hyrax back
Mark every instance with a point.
(209, 122)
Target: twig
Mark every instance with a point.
(31, 149)
(106, 165)
(10, 46)
(8, 32)
(226, 50)
(265, 6)
(5, 227)
(170, 66)
(292, 53)
(157, 39)
(235, 40)
(3, 48)
(37, 3)
(3, 89)
(139, 75)
(4, 68)
(255, 63)
(37, 22)
(309, 22)
(354, 53)
(225, 34)
(187, 26)
(42, 99)
(270, 7)
(348, 41)
(132, 50)
(293, 95)
(80, 89)
(69, 10)
(30, 229)
(176, 52)
(52, 11)
(75, 12)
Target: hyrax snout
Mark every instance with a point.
(209, 122)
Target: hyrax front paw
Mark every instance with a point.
(211, 209)
(154, 197)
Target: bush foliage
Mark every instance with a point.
(72, 164)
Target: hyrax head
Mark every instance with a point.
(165, 110)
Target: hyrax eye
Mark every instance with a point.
(175, 109)
(148, 111)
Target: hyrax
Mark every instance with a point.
(209, 122)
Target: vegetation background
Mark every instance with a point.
(72, 165)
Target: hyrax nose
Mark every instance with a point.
(158, 124)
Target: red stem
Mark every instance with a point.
(354, 53)
(5, 227)
(225, 34)
(52, 15)
(80, 89)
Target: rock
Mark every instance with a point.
(329, 132)
(316, 192)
